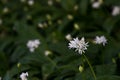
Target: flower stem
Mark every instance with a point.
(52, 61)
(90, 67)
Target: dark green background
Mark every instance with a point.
(20, 24)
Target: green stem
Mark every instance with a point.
(52, 61)
(90, 67)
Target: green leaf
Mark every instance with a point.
(83, 6)
(109, 24)
(108, 69)
(109, 77)
(68, 5)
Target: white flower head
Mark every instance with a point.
(116, 10)
(76, 7)
(96, 4)
(36, 42)
(24, 76)
(40, 25)
(70, 17)
(33, 44)
(100, 40)
(50, 2)
(5, 10)
(30, 2)
(78, 45)
(32, 49)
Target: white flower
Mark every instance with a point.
(36, 42)
(100, 40)
(30, 2)
(76, 7)
(40, 25)
(5, 10)
(78, 45)
(50, 2)
(68, 37)
(33, 44)
(70, 17)
(116, 10)
(32, 49)
(24, 76)
(0, 78)
(96, 4)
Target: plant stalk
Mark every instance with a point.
(90, 67)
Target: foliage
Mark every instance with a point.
(21, 22)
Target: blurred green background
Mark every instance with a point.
(50, 21)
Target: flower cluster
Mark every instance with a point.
(78, 45)
(81, 45)
(100, 40)
(33, 44)
(24, 76)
